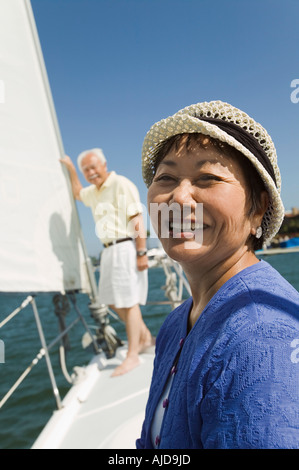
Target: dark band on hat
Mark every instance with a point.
(246, 139)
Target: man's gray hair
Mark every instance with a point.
(97, 152)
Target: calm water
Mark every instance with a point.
(23, 417)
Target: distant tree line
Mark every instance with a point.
(290, 226)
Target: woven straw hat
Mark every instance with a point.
(188, 120)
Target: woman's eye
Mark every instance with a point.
(164, 178)
(208, 177)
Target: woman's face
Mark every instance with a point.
(195, 178)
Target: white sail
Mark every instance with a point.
(41, 246)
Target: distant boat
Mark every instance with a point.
(286, 246)
(292, 242)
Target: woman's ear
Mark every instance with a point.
(264, 203)
(260, 211)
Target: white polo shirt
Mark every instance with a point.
(113, 205)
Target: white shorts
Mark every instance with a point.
(121, 284)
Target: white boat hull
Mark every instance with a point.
(101, 412)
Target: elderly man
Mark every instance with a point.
(115, 204)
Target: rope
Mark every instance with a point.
(80, 317)
(62, 308)
(67, 376)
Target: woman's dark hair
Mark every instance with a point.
(254, 182)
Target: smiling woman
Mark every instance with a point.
(223, 377)
(199, 176)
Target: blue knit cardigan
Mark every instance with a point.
(236, 384)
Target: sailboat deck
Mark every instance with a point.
(98, 413)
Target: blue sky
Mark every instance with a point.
(118, 66)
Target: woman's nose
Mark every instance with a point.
(184, 193)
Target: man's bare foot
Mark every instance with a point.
(128, 364)
(147, 343)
